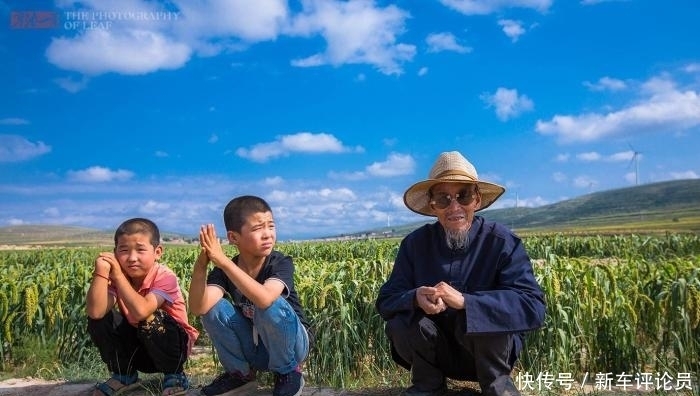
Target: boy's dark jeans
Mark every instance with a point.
(158, 346)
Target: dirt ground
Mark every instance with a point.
(37, 387)
(33, 387)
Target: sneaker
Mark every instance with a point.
(290, 384)
(414, 391)
(230, 384)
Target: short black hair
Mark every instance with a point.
(138, 225)
(239, 208)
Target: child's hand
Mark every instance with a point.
(114, 268)
(211, 245)
(102, 265)
(202, 259)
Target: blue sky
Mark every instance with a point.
(330, 109)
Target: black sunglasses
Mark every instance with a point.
(464, 197)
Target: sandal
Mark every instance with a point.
(114, 387)
(175, 384)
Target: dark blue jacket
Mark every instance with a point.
(494, 273)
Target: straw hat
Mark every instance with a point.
(449, 167)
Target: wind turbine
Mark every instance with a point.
(635, 159)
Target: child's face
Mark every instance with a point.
(136, 255)
(257, 236)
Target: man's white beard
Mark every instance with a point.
(457, 240)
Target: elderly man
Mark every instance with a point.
(462, 292)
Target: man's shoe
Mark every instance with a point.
(230, 384)
(290, 384)
(414, 391)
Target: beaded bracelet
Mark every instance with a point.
(94, 274)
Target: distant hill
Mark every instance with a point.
(665, 206)
(672, 206)
(56, 235)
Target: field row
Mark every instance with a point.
(614, 304)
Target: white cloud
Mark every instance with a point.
(356, 32)
(422, 71)
(588, 157)
(491, 177)
(689, 174)
(273, 181)
(15, 148)
(562, 157)
(559, 177)
(483, 7)
(99, 174)
(153, 207)
(192, 200)
(621, 156)
(631, 177)
(72, 85)
(395, 165)
(312, 143)
(438, 42)
(132, 44)
(692, 68)
(303, 142)
(123, 51)
(335, 194)
(513, 29)
(389, 142)
(213, 138)
(666, 109)
(52, 212)
(659, 85)
(520, 202)
(161, 154)
(248, 20)
(532, 202)
(311, 61)
(606, 84)
(349, 176)
(593, 2)
(13, 121)
(508, 103)
(585, 182)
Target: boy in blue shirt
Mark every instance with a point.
(248, 303)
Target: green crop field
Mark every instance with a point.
(628, 306)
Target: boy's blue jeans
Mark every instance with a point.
(283, 342)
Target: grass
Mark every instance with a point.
(671, 262)
(36, 361)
